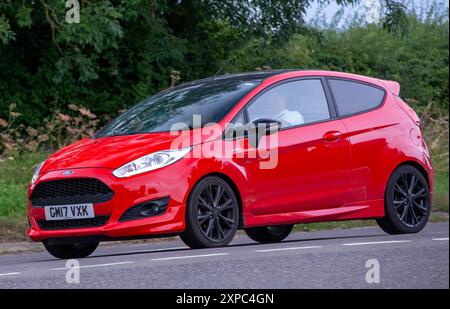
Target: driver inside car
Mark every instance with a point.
(283, 114)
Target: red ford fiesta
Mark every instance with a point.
(258, 151)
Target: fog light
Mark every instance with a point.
(149, 210)
(145, 210)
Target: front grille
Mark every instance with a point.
(72, 224)
(70, 191)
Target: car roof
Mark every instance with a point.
(241, 77)
(260, 76)
(263, 75)
(251, 76)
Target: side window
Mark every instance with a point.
(239, 119)
(236, 128)
(293, 103)
(352, 97)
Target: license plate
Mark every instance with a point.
(68, 212)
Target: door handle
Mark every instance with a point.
(332, 136)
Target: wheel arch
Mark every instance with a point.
(419, 167)
(415, 164)
(233, 186)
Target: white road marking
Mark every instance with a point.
(158, 250)
(95, 265)
(289, 248)
(443, 238)
(172, 248)
(189, 256)
(10, 274)
(376, 242)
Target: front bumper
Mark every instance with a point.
(128, 192)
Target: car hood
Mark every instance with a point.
(113, 152)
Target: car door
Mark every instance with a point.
(358, 105)
(306, 165)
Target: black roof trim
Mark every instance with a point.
(247, 76)
(256, 75)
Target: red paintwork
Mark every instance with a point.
(335, 170)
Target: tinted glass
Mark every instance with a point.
(352, 97)
(293, 103)
(239, 119)
(211, 100)
(236, 127)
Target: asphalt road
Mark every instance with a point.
(326, 259)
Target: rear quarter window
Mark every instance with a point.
(354, 97)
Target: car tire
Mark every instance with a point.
(269, 234)
(71, 251)
(407, 202)
(212, 214)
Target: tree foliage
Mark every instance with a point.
(123, 51)
(418, 61)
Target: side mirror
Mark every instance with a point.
(262, 127)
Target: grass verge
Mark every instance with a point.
(16, 172)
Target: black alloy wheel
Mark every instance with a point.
(407, 202)
(70, 251)
(410, 199)
(268, 234)
(212, 216)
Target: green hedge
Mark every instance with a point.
(124, 51)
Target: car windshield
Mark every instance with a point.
(210, 99)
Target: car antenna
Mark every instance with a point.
(220, 70)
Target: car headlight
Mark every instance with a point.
(151, 162)
(37, 169)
